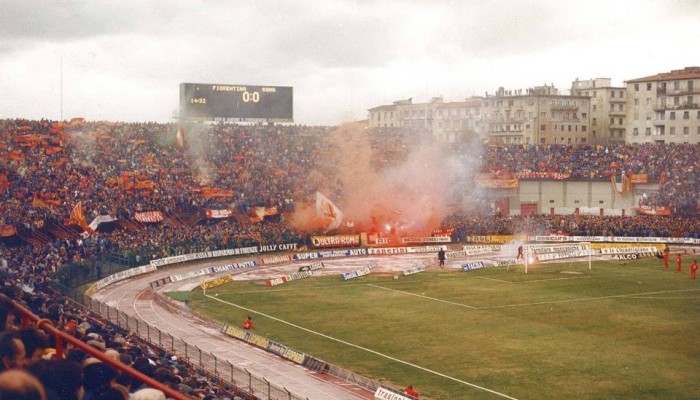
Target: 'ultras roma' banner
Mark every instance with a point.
(335, 241)
(658, 210)
(485, 180)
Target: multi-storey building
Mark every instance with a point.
(383, 116)
(608, 111)
(665, 107)
(457, 120)
(539, 116)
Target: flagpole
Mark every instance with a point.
(61, 87)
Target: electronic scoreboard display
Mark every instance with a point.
(204, 101)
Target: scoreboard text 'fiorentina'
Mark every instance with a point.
(205, 102)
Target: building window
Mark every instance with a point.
(622, 94)
(620, 107)
(584, 115)
(648, 86)
(648, 100)
(612, 94)
(672, 115)
(672, 130)
(636, 116)
(636, 87)
(636, 102)
(593, 122)
(569, 128)
(543, 114)
(635, 132)
(619, 120)
(647, 131)
(583, 140)
(686, 114)
(612, 121)
(541, 140)
(595, 106)
(676, 85)
(543, 127)
(686, 130)
(583, 128)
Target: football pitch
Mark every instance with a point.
(622, 330)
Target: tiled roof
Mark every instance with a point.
(679, 74)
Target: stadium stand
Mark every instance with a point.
(150, 197)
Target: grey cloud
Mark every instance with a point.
(329, 43)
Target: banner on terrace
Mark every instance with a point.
(639, 178)
(542, 175)
(335, 241)
(213, 214)
(649, 210)
(149, 216)
(486, 181)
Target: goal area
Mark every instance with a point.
(539, 252)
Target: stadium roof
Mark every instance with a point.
(685, 73)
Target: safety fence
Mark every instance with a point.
(218, 371)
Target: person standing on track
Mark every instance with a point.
(441, 258)
(679, 262)
(667, 255)
(520, 253)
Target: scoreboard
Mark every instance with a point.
(204, 102)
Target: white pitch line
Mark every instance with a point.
(494, 279)
(365, 349)
(586, 299)
(423, 297)
(559, 279)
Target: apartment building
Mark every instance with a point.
(608, 109)
(539, 115)
(665, 107)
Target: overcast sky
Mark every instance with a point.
(123, 60)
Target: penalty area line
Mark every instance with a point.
(388, 357)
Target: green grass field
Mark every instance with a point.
(619, 331)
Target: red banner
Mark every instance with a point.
(7, 230)
(658, 210)
(225, 213)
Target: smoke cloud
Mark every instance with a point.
(410, 197)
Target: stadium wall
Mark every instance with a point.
(566, 197)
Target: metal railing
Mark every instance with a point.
(205, 364)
